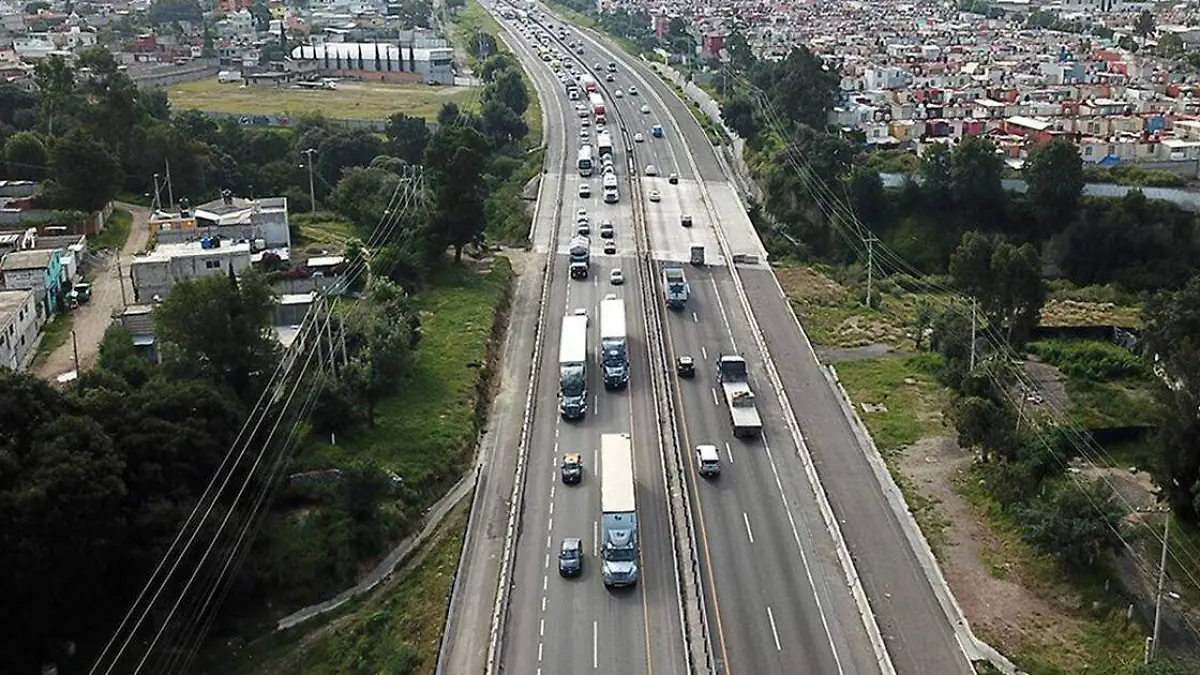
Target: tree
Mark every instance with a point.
(867, 196)
(119, 356)
(1170, 46)
(983, 424)
(1143, 24)
(261, 15)
(115, 104)
(171, 11)
(55, 79)
(975, 172)
(1055, 176)
(497, 64)
(86, 175)
(382, 360)
(346, 149)
(481, 45)
(1005, 279)
(739, 116)
(938, 175)
(455, 157)
(508, 88)
(737, 48)
(1075, 523)
(364, 194)
(25, 157)
(218, 329)
(406, 137)
(799, 88)
(502, 124)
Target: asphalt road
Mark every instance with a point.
(559, 625)
(763, 493)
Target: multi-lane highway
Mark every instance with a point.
(556, 624)
(776, 594)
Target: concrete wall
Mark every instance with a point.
(18, 328)
(156, 275)
(164, 74)
(275, 233)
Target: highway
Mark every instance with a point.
(790, 568)
(555, 624)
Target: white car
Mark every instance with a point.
(616, 277)
(619, 94)
(638, 138)
(632, 90)
(584, 134)
(585, 122)
(651, 170)
(585, 190)
(645, 110)
(654, 196)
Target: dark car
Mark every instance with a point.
(686, 221)
(570, 557)
(685, 366)
(610, 247)
(572, 468)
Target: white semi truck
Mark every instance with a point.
(735, 383)
(614, 343)
(572, 367)
(618, 518)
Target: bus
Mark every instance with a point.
(585, 161)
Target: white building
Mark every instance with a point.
(19, 325)
(251, 219)
(154, 274)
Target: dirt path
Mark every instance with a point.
(93, 318)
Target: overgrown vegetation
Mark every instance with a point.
(115, 234)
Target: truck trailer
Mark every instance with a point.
(572, 367)
(580, 251)
(675, 286)
(618, 511)
(735, 383)
(614, 343)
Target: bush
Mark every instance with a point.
(1090, 359)
(1073, 522)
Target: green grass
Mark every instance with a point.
(395, 630)
(54, 335)
(1092, 360)
(321, 229)
(910, 390)
(351, 100)
(1086, 634)
(1127, 402)
(833, 312)
(115, 233)
(426, 432)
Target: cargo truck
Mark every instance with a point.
(580, 255)
(618, 512)
(597, 103)
(676, 287)
(614, 343)
(572, 367)
(735, 383)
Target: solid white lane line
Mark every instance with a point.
(715, 400)
(774, 633)
(595, 538)
(596, 405)
(724, 316)
(703, 353)
(729, 451)
(746, 519)
(595, 642)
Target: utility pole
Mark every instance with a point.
(312, 193)
(870, 266)
(1162, 573)
(974, 303)
(157, 203)
(121, 281)
(75, 350)
(170, 188)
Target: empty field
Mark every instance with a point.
(351, 100)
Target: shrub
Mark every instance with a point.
(1090, 359)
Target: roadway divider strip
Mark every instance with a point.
(843, 553)
(512, 531)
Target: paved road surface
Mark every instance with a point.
(918, 636)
